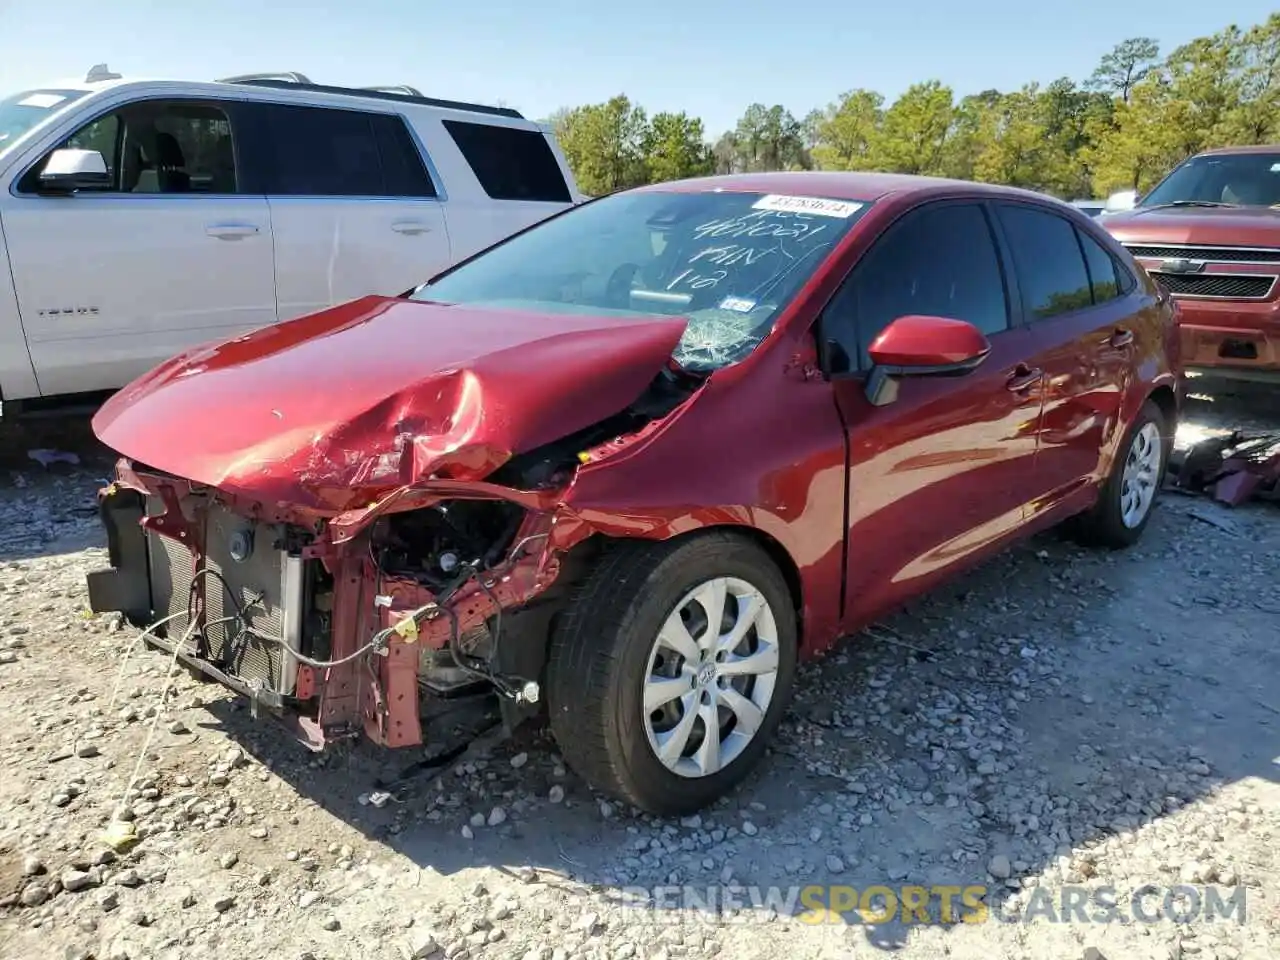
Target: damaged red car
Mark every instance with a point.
(630, 464)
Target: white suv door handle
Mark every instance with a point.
(410, 227)
(231, 231)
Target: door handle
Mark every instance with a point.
(410, 227)
(231, 231)
(1121, 338)
(1024, 379)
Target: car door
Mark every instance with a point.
(945, 472)
(354, 210)
(1073, 304)
(171, 254)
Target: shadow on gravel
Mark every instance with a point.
(1052, 699)
(49, 509)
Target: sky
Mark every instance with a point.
(707, 57)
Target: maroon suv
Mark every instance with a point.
(1209, 233)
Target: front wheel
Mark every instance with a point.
(671, 669)
(1126, 498)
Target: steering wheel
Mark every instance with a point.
(617, 292)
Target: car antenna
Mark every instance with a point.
(99, 72)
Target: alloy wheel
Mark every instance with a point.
(710, 678)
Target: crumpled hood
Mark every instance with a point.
(330, 409)
(1229, 226)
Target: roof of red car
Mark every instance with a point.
(839, 185)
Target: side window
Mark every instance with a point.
(102, 135)
(937, 261)
(1051, 270)
(177, 148)
(1104, 272)
(404, 173)
(159, 147)
(510, 163)
(320, 152)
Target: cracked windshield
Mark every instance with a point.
(728, 262)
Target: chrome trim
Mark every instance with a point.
(1226, 276)
(292, 592)
(1205, 247)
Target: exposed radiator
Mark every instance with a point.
(266, 572)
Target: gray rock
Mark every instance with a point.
(34, 894)
(73, 881)
(423, 945)
(999, 867)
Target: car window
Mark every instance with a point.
(102, 135)
(1104, 272)
(319, 152)
(159, 146)
(726, 262)
(404, 174)
(20, 112)
(1047, 257)
(510, 163)
(1233, 179)
(938, 261)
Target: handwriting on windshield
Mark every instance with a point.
(772, 230)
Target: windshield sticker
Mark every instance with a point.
(1275, 168)
(842, 209)
(737, 304)
(42, 100)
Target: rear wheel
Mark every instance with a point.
(671, 670)
(1127, 497)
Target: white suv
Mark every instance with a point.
(139, 218)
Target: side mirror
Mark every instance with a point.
(1123, 200)
(918, 346)
(69, 170)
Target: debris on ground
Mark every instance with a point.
(1233, 468)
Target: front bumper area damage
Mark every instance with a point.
(341, 626)
(339, 554)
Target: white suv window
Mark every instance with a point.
(328, 152)
(160, 147)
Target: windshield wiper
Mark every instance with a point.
(1191, 203)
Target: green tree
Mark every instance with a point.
(1016, 148)
(769, 138)
(1255, 117)
(1125, 66)
(674, 148)
(843, 134)
(1123, 127)
(912, 136)
(604, 144)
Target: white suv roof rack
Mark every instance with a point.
(399, 92)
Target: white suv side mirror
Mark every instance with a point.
(1123, 200)
(69, 170)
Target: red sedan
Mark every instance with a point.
(631, 463)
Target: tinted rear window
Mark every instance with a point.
(319, 151)
(511, 164)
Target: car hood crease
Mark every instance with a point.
(329, 409)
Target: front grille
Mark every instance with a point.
(1212, 254)
(262, 574)
(1223, 286)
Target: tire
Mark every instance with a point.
(1108, 523)
(605, 650)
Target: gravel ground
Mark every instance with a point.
(1060, 720)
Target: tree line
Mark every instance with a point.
(1123, 127)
